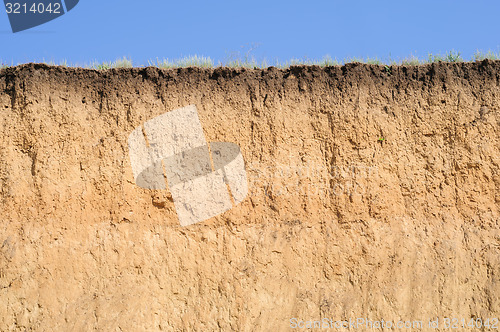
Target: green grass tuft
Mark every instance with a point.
(479, 56)
(451, 56)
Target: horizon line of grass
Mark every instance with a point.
(251, 62)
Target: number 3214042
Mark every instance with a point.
(36, 8)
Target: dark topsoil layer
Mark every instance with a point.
(421, 77)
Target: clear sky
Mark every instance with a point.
(104, 30)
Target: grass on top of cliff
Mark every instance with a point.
(251, 62)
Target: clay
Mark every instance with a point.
(372, 193)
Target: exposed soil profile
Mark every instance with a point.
(373, 193)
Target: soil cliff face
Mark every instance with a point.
(373, 193)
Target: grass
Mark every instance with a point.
(236, 60)
(479, 56)
(451, 56)
(190, 61)
(119, 63)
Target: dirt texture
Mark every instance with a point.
(373, 192)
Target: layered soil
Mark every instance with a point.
(373, 193)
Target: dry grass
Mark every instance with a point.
(247, 61)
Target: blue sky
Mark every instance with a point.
(104, 30)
